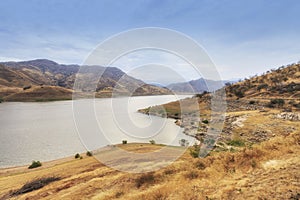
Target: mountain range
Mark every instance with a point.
(41, 79)
(196, 86)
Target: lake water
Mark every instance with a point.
(48, 131)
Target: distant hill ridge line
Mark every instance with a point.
(31, 80)
(283, 82)
(197, 86)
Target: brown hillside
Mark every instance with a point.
(16, 76)
(282, 82)
(41, 93)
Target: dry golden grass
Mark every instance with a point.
(40, 93)
(268, 170)
(282, 82)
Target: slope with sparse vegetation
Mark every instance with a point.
(255, 157)
(269, 170)
(283, 82)
(42, 79)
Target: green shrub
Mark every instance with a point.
(269, 105)
(88, 153)
(274, 102)
(251, 102)
(297, 105)
(201, 95)
(261, 86)
(237, 143)
(26, 87)
(152, 142)
(77, 155)
(35, 164)
(194, 151)
(184, 142)
(124, 141)
(239, 93)
(205, 121)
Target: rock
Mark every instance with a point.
(178, 122)
(292, 116)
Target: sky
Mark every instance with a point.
(242, 38)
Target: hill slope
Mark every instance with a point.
(196, 86)
(255, 157)
(278, 88)
(283, 82)
(21, 81)
(266, 171)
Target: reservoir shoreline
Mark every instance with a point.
(45, 131)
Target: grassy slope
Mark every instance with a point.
(52, 81)
(41, 93)
(268, 170)
(283, 82)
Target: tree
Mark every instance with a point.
(152, 141)
(184, 143)
(194, 151)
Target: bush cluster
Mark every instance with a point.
(276, 102)
(237, 143)
(152, 141)
(144, 178)
(194, 151)
(35, 164)
(35, 185)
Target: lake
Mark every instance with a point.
(47, 130)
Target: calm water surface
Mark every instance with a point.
(46, 131)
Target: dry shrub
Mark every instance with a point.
(192, 192)
(169, 170)
(200, 164)
(35, 185)
(160, 194)
(193, 174)
(296, 138)
(119, 194)
(146, 178)
(252, 153)
(157, 192)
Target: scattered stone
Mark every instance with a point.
(292, 116)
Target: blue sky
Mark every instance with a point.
(241, 37)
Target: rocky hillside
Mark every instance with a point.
(32, 80)
(277, 88)
(283, 82)
(274, 94)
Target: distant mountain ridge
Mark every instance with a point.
(196, 86)
(35, 79)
